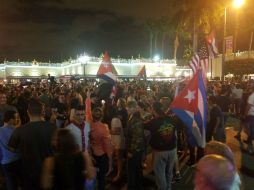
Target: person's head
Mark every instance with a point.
(224, 91)
(64, 142)
(11, 117)
(216, 147)
(212, 100)
(35, 108)
(165, 102)
(157, 109)
(61, 98)
(121, 103)
(79, 115)
(214, 172)
(3, 99)
(141, 106)
(97, 114)
(132, 107)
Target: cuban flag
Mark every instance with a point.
(107, 70)
(142, 72)
(191, 107)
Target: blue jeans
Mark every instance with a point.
(163, 168)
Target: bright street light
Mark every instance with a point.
(238, 3)
(156, 58)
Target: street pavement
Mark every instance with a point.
(244, 162)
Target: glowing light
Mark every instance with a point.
(84, 58)
(156, 58)
(178, 73)
(209, 74)
(238, 3)
(167, 72)
(186, 74)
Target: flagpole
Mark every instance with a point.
(250, 46)
(211, 69)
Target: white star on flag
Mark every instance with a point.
(190, 96)
(105, 64)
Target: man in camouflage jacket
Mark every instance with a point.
(135, 147)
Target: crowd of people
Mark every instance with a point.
(72, 135)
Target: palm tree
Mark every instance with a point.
(201, 15)
(164, 29)
(149, 27)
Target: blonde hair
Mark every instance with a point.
(122, 103)
(219, 148)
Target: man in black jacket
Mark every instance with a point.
(163, 142)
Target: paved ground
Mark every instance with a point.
(244, 161)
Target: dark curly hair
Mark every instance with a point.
(65, 142)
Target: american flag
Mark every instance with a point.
(200, 59)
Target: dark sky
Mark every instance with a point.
(58, 29)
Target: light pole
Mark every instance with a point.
(237, 4)
(224, 43)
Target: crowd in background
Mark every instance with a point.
(72, 135)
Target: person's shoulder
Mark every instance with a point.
(170, 120)
(2, 128)
(10, 107)
(69, 126)
(251, 95)
(104, 126)
(40, 124)
(50, 125)
(19, 130)
(2, 131)
(116, 119)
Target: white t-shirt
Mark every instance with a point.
(251, 102)
(118, 140)
(237, 93)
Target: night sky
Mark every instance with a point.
(59, 29)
